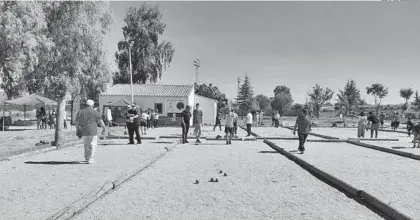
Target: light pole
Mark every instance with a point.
(197, 65)
(129, 60)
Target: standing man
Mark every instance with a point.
(133, 125)
(86, 123)
(156, 118)
(185, 123)
(248, 122)
(218, 121)
(229, 126)
(198, 122)
(382, 119)
(374, 124)
(235, 123)
(65, 119)
(152, 119)
(304, 127)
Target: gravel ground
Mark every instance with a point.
(37, 191)
(352, 133)
(391, 178)
(260, 185)
(279, 132)
(25, 137)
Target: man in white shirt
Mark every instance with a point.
(235, 123)
(249, 122)
(156, 118)
(229, 126)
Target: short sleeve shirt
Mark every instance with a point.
(88, 119)
(229, 120)
(197, 116)
(373, 119)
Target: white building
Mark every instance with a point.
(165, 99)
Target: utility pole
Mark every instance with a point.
(197, 66)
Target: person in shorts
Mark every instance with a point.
(382, 119)
(303, 125)
(229, 126)
(143, 122)
(374, 124)
(361, 125)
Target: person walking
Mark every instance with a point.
(133, 125)
(361, 125)
(198, 122)
(218, 121)
(410, 126)
(382, 119)
(374, 124)
(185, 123)
(108, 115)
(229, 126)
(416, 131)
(248, 122)
(303, 125)
(87, 121)
(276, 119)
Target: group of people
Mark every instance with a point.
(143, 120)
(47, 120)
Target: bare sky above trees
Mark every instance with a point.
(298, 44)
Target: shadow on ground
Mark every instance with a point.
(268, 152)
(55, 162)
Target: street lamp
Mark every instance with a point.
(129, 60)
(197, 65)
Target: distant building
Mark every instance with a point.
(167, 100)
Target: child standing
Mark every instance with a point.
(304, 127)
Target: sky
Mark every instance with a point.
(297, 44)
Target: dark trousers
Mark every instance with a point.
(248, 129)
(156, 123)
(148, 123)
(132, 127)
(302, 140)
(276, 123)
(185, 128)
(235, 128)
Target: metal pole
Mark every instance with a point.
(131, 73)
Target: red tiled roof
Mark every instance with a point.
(149, 90)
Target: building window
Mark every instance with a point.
(159, 108)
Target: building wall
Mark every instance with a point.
(145, 102)
(209, 107)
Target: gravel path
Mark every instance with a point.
(37, 191)
(279, 132)
(391, 178)
(260, 185)
(352, 133)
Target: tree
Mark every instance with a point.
(282, 102)
(280, 89)
(416, 101)
(246, 96)
(22, 37)
(211, 92)
(263, 102)
(349, 97)
(405, 94)
(319, 96)
(379, 92)
(149, 57)
(77, 57)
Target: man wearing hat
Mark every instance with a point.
(86, 124)
(133, 124)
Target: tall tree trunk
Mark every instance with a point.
(59, 124)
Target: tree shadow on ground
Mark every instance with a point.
(268, 152)
(55, 162)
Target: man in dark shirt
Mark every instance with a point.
(374, 124)
(133, 124)
(185, 123)
(86, 125)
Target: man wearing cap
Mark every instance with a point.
(86, 123)
(133, 124)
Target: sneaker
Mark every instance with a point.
(90, 161)
(197, 141)
(187, 142)
(130, 143)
